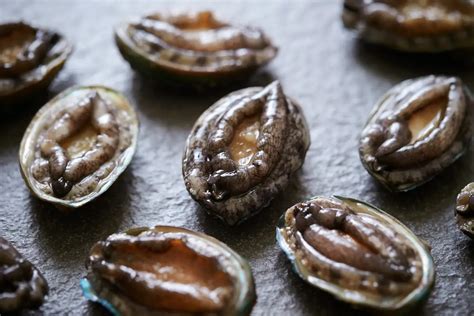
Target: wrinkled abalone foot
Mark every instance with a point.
(357, 253)
(228, 188)
(231, 177)
(193, 50)
(41, 54)
(196, 85)
(327, 228)
(351, 239)
(77, 145)
(465, 210)
(222, 39)
(423, 26)
(32, 56)
(437, 117)
(21, 285)
(66, 172)
(236, 210)
(409, 179)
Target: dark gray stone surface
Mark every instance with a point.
(336, 80)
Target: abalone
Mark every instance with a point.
(166, 270)
(465, 210)
(22, 286)
(30, 58)
(416, 130)
(193, 49)
(243, 150)
(356, 252)
(413, 25)
(78, 144)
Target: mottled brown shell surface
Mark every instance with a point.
(193, 48)
(78, 144)
(167, 270)
(30, 58)
(413, 25)
(356, 252)
(465, 210)
(416, 130)
(22, 286)
(243, 150)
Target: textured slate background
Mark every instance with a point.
(337, 81)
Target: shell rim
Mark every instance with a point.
(91, 295)
(416, 295)
(247, 295)
(126, 157)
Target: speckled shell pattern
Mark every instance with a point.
(412, 25)
(282, 159)
(413, 164)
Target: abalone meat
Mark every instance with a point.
(22, 286)
(413, 25)
(30, 58)
(416, 130)
(78, 144)
(193, 49)
(243, 150)
(167, 270)
(465, 210)
(356, 252)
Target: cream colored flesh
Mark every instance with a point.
(244, 144)
(423, 121)
(81, 142)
